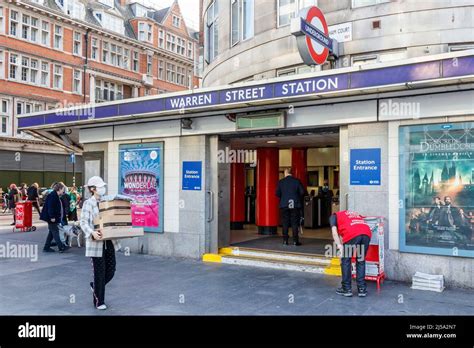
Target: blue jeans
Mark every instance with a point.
(359, 246)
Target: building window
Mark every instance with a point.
(242, 20)
(136, 61)
(170, 73)
(190, 79)
(126, 58)
(105, 52)
(45, 74)
(77, 48)
(58, 77)
(45, 34)
(190, 50)
(160, 69)
(34, 67)
(288, 9)
(108, 91)
(362, 3)
(94, 49)
(29, 28)
(113, 55)
(58, 37)
(13, 67)
(145, 32)
(25, 69)
(2, 22)
(13, 23)
(2, 64)
(176, 21)
(149, 64)
(181, 46)
(161, 39)
(181, 76)
(211, 32)
(4, 116)
(77, 82)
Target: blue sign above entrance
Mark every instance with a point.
(365, 166)
(192, 176)
(398, 74)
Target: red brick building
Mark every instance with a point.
(56, 53)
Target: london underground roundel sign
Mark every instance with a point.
(312, 35)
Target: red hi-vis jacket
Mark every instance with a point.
(350, 225)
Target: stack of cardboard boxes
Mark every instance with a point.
(115, 220)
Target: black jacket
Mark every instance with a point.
(32, 193)
(52, 208)
(290, 190)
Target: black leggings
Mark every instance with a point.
(104, 270)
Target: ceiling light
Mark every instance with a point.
(272, 142)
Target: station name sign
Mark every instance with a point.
(242, 95)
(266, 91)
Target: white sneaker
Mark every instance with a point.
(102, 307)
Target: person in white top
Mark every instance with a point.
(102, 253)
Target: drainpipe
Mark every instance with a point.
(85, 66)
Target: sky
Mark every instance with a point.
(189, 8)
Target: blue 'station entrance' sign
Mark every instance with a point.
(192, 176)
(365, 166)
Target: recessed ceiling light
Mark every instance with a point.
(272, 142)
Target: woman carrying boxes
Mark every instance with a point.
(102, 253)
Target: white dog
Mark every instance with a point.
(70, 232)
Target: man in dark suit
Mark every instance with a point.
(290, 190)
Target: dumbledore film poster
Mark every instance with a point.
(437, 189)
(141, 172)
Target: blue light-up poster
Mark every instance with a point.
(141, 178)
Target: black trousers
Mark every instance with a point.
(104, 270)
(36, 206)
(357, 246)
(53, 234)
(290, 217)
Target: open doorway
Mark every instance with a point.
(319, 152)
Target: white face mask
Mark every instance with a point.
(101, 191)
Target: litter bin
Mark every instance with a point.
(24, 216)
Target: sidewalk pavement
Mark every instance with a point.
(58, 284)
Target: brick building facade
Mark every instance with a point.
(56, 53)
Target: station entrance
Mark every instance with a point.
(258, 164)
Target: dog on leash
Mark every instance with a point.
(73, 231)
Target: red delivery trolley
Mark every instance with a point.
(24, 217)
(374, 261)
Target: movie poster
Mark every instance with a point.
(141, 171)
(437, 189)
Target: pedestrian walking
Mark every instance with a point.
(53, 213)
(33, 196)
(290, 190)
(14, 197)
(73, 202)
(102, 253)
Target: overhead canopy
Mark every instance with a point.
(363, 81)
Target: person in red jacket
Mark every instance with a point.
(352, 237)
